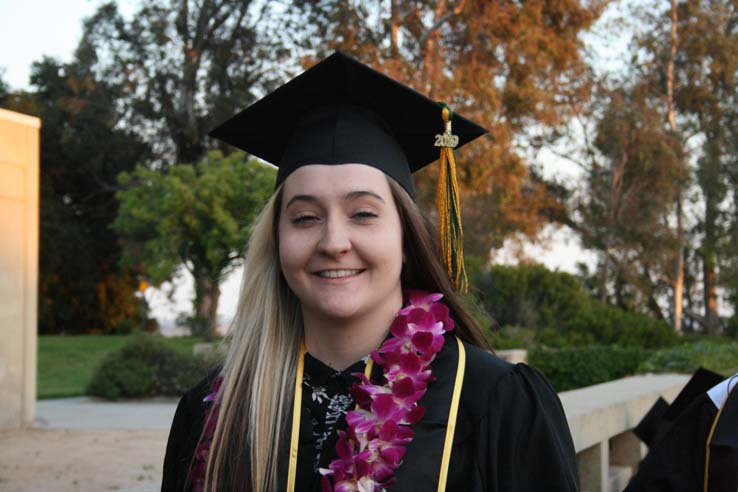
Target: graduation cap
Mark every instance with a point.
(653, 425)
(700, 382)
(341, 111)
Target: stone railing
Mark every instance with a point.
(601, 419)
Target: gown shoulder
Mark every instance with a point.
(525, 442)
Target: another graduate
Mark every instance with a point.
(693, 443)
(352, 364)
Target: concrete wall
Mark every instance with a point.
(19, 216)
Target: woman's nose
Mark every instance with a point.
(335, 240)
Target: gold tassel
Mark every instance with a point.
(449, 211)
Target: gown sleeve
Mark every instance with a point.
(184, 435)
(176, 460)
(530, 446)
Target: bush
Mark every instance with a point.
(731, 327)
(576, 367)
(145, 367)
(604, 324)
(511, 337)
(719, 355)
(530, 296)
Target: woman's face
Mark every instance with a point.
(340, 240)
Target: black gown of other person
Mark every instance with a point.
(511, 432)
(677, 459)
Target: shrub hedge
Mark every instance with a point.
(719, 355)
(532, 305)
(530, 295)
(145, 367)
(576, 367)
(603, 324)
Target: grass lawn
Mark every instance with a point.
(66, 362)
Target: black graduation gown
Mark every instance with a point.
(511, 433)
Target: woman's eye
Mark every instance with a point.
(304, 219)
(364, 215)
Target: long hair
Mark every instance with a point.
(260, 366)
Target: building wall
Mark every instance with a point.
(19, 217)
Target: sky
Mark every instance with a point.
(31, 29)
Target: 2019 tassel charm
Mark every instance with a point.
(449, 210)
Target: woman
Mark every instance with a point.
(341, 265)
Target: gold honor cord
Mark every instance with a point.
(452, 414)
(296, 411)
(712, 431)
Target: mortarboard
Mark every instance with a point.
(701, 381)
(341, 111)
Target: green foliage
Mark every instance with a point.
(719, 355)
(512, 337)
(532, 305)
(731, 329)
(146, 366)
(196, 215)
(530, 295)
(604, 324)
(576, 367)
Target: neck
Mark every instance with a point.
(339, 343)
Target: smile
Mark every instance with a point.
(337, 273)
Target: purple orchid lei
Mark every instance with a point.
(373, 445)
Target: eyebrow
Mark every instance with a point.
(351, 195)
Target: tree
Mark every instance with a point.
(81, 287)
(623, 211)
(515, 67)
(706, 93)
(678, 282)
(187, 66)
(196, 215)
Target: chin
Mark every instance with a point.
(338, 308)
(346, 306)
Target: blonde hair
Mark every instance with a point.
(260, 366)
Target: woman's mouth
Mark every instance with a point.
(338, 273)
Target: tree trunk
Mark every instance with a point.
(709, 274)
(394, 28)
(207, 295)
(678, 281)
(677, 304)
(709, 267)
(604, 271)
